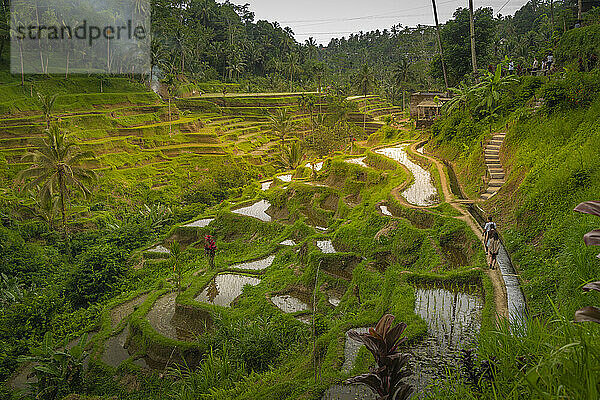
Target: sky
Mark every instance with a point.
(324, 19)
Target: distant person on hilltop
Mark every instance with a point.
(535, 65)
(549, 61)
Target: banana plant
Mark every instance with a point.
(592, 238)
(383, 342)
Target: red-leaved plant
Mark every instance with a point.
(392, 365)
(592, 238)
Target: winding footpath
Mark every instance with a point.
(496, 276)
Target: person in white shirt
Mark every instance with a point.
(536, 64)
(486, 230)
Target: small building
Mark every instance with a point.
(425, 107)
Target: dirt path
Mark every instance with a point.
(500, 296)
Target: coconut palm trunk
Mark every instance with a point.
(63, 189)
(473, 54)
(365, 115)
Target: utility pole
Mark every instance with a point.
(439, 37)
(579, 7)
(552, 15)
(473, 55)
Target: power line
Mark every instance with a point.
(362, 17)
(368, 18)
(498, 12)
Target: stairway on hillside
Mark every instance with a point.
(492, 162)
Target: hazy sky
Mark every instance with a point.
(324, 19)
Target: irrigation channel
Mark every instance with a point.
(452, 316)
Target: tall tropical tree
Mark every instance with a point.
(365, 81)
(319, 71)
(281, 123)
(292, 65)
(56, 168)
(46, 103)
(311, 47)
(461, 96)
(308, 103)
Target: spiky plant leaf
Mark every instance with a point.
(592, 238)
(592, 286)
(588, 314)
(589, 207)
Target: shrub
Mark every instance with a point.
(582, 45)
(96, 275)
(576, 90)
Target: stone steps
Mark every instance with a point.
(491, 154)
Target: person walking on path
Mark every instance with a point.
(493, 247)
(486, 230)
(535, 65)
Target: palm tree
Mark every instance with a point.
(56, 167)
(307, 103)
(401, 71)
(281, 123)
(292, 66)
(46, 103)
(365, 80)
(461, 96)
(319, 70)
(291, 156)
(311, 47)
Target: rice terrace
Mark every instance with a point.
(393, 200)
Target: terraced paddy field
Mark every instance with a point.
(304, 254)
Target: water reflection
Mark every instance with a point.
(453, 320)
(357, 161)
(256, 210)
(385, 210)
(159, 249)
(256, 265)
(318, 166)
(326, 246)
(422, 192)
(201, 223)
(289, 304)
(351, 348)
(223, 289)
